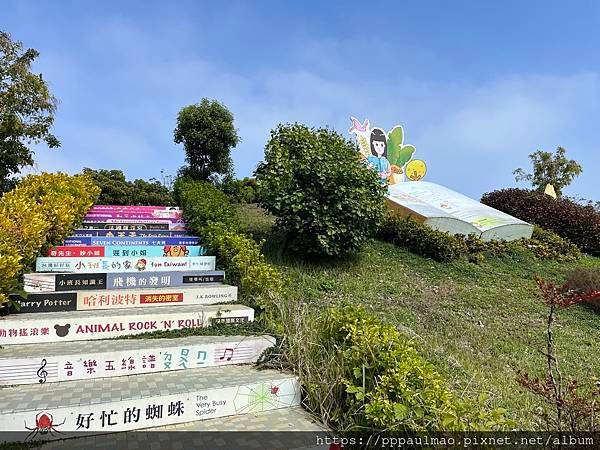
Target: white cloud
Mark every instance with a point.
(471, 133)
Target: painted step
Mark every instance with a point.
(58, 282)
(283, 429)
(119, 299)
(66, 361)
(134, 224)
(117, 265)
(81, 251)
(128, 233)
(143, 401)
(108, 240)
(35, 328)
(95, 208)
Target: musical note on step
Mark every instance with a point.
(42, 373)
(225, 353)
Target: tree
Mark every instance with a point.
(326, 201)
(116, 190)
(548, 168)
(208, 135)
(26, 110)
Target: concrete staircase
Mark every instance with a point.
(62, 375)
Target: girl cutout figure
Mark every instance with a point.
(378, 159)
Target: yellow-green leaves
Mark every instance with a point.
(41, 211)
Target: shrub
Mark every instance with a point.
(584, 279)
(571, 404)
(360, 374)
(389, 385)
(421, 239)
(204, 203)
(246, 265)
(210, 215)
(577, 223)
(41, 211)
(10, 267)
(548, 245)
(63, 199)
(326, 202)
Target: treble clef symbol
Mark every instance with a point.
(42, 373)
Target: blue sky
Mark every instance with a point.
(476, 85)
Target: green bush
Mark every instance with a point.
(210, 214)
(203, 203)
(326, 202)
(440, 246)
(548, 245)
(246, 265)
(543, 244)
(421, 239)
(578, 223)
(389, 385)
(41, 211)
(375, 379)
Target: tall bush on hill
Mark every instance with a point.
(577, 223)
(40, 212)
(116, 190)
(325, 200)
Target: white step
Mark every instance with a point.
(35, 328)
(118, 265)
(119, 299)
(144, 401)
(282, 429)
(86, 360)
(51, 282)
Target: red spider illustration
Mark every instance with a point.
(44, 423)
(274, 390)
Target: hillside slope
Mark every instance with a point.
(477, 323)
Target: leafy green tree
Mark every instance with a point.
(207, 133)
(116, 190)
(548, 168)
(239, 191)
(26, 110)
(325, 200)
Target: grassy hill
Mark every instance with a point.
(478, 324)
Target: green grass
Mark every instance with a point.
(478, 324)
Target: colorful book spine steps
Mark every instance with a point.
(128, 270)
